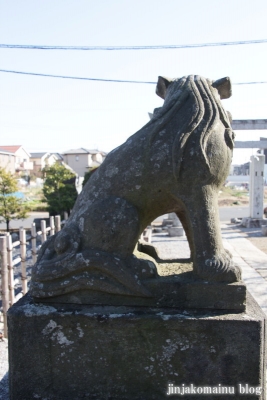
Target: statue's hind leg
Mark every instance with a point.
(110, 225)
(94, 252)
(210, 260)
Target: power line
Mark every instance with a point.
(115, 48)
(74, 77)
(250, 83)
(105, 80)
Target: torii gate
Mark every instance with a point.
(250, 124)
(256, 188)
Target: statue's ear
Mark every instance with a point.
(224, 87)
(162, 85)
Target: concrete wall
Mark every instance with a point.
(97, 157)
(78, 162)
(81, 163)
(22, 160)
(7, 161)
(21, 156)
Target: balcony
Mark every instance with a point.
(24, 166)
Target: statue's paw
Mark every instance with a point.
(220, 268)
(68, 239)
(55, 258)
(145, 269)
(143, 265)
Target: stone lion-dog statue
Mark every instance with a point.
(175, 163)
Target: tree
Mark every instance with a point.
(10, 206)
(59, 189)
(88, 175)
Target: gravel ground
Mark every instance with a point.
(181, 249)
(254, 235)
(169, 247)
(3, 370)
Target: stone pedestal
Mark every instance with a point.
(253, 222)
(61, 352)
(176, 231)
(177, 228)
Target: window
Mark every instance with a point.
(77, 158)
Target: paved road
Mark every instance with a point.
(25, 223)
(226, 213)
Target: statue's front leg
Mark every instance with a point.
(210, 260)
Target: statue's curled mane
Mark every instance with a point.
(193, 93)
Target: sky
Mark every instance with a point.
(53, 114)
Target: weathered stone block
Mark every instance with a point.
(179, 288)
(176, 231)
(61, 352)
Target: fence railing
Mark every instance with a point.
(8, 262)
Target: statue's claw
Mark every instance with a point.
(219, 269)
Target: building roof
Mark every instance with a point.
(2, 151)
(76, 151)
(38, 155)
(13, 149)
(58, 156)
(82, 150)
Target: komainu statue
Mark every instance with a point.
(175, 163)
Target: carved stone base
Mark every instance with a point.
(253, 222)
(180, 288)
(68, 352)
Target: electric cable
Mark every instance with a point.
(116, 48)
(105, 80)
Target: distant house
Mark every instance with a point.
(42, 160)
(82, 160)
(7, 161)
(242, 169)
(22, 158)
(59, 157)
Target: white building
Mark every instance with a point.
(82, 160)
(42, 160)
(22, 158)
(7, 161)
